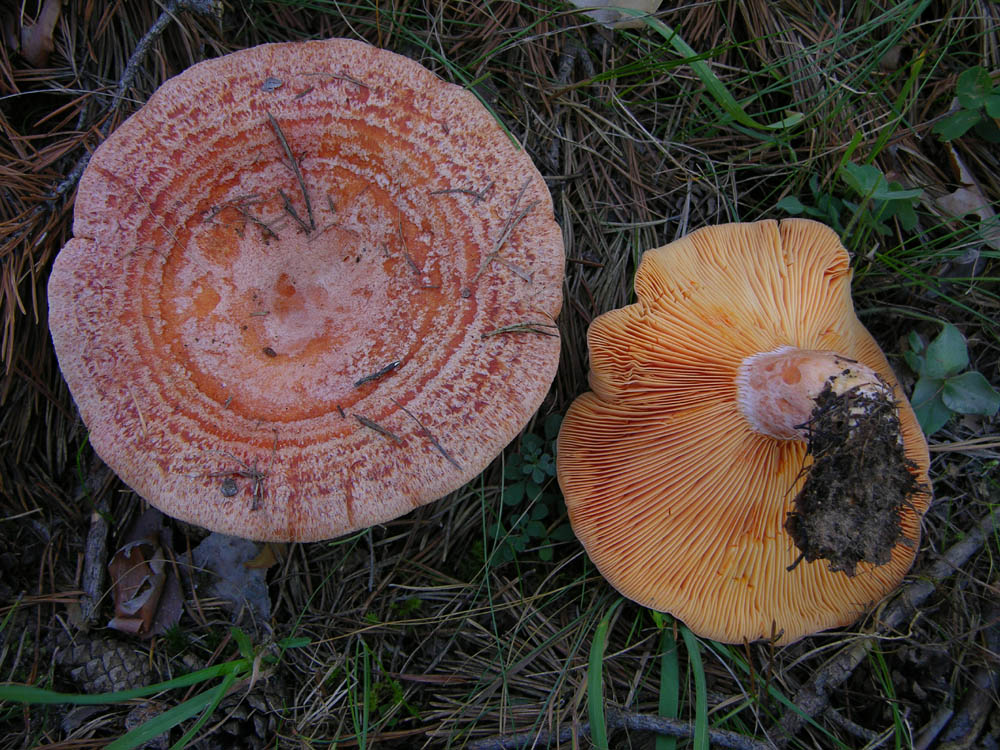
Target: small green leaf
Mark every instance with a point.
(863, 179)
(894, 192)
(914, 361)
(930, 410)
(916, 341)
(906, 215)
(956, 124)
(562, 533)
(295, 641)
(970, 393)
(987, 130)
(513, 494)
(512, 469)
(243, 641)
(545, 554)
(531, 445)
(535, 529)
(973, 87)
(993, 105)
(946, 355)
(792, 205)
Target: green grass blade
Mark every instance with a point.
(36, 695)
(172, 717)
(713, 85)
(217, 695)
(669, 686)
(595, 681)
(700, 691)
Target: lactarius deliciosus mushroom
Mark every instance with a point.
(311, 287)
(745, 460)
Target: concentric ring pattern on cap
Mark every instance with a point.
(314, 271)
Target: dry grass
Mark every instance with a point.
(415, 640)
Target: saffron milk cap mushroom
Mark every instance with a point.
(745, 459)
(311, 287)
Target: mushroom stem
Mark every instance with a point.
(858, 479)
(778, 390)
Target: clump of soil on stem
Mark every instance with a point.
(860, 480)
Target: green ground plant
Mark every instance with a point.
(874, 202)
(944, 387)
(531, 502)
(978, 108)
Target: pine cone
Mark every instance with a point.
(101, 665)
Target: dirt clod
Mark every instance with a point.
(860, 479)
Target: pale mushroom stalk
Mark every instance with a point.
(778, 390)
(858, 476)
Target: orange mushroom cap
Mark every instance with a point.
(678, 500)
(311, 287)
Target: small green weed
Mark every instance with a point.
(978, 108)
(881, 201)
(942, 389)
(528, 506)
(203, 703)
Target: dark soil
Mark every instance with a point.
(860, 479)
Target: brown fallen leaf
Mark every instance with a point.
(138, 572)
(970, 200)
(144, 586)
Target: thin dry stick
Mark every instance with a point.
(290, 210)
(406, 252)
(378, 374)
(477, 196)
(621, 720)
(295, 168)
(531, 326)
(813, 697)
(202, 7)
(430, 436)
(268, 232)
(378, 428)
(509, 226)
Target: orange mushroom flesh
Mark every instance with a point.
(686, 469)
(312, 286)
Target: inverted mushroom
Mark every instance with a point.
(740, 373)
(311, 287)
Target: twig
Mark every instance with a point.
(814, 696)
(477, 196)
(509, 226)
(341, 77)
(378, 374)
(290, 210)
(95, 557)
(253, 219)
(531, 326)
(406, 252)
(621, 720)
(430, 436)
(378, 428)
(249, 471)
(202, 7)
(295, 168)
